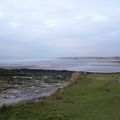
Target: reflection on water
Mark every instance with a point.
(81, 64)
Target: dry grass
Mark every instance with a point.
(74, 79)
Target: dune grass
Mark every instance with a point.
(94, 97)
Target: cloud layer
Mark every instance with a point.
(54, 28)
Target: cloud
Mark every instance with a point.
(13, 24)
(1, 14)
(60, 27)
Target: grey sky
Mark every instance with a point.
(54, 28)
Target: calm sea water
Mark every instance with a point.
(81, 64)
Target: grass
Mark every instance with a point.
(94, 97)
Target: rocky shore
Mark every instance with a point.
(30, 85)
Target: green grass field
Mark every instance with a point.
(94, 97)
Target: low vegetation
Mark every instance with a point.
(89, 97)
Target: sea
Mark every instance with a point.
(83, 64)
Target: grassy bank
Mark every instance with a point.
(94, 97)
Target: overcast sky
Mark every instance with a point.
(56, 28)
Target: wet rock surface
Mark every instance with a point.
(29, 85)
(13, 96)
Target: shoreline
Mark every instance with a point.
(95, 95)
(53, 70)
(33, 93)
(87, 64)
(38, 91)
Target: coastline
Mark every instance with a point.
(36, 90)
(90, 95)
(82, 64)
(33, 92)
